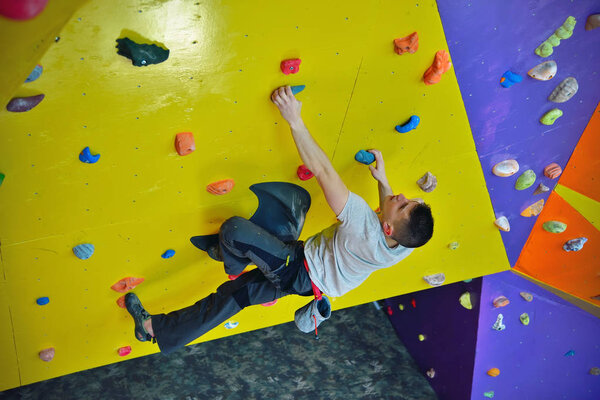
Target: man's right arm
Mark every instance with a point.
(378, 172)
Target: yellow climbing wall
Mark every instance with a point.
(141, 198)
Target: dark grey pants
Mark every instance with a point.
(280, 271)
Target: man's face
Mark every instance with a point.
(398, 208)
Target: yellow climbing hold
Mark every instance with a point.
(465, 301)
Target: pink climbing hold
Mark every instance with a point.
(22, 104)
(304, 173)
(291, 66)
(21, 9)
(269, 303)
(123, 351)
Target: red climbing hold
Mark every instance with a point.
(389, 310)
(123, 351)
(304, 173)
(126, 284)
(21, 9)
(269, 303)
(291, 66)
(414, 303)
(221, 187)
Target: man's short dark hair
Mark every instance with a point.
(418, 230)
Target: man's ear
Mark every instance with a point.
(387, 229)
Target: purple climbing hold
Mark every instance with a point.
(22, 104)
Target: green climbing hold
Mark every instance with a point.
(564, 31)
(524, 318)
(141, 54)
(489, 395)
(526, 179)
(554, 226)
(465, 301)
(1, 178)
(551, 116)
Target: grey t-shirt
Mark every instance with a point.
(343, 256)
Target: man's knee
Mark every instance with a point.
(231, 227)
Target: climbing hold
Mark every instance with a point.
(123, 351)
(524, 318)
(47, 354)
(541, 189)
(544, 71)
(575, 244)
(121, 301)
(408, 44)
(126, 284)
(83, 251)
(413, 302)
(297, 89)
(427, 182)
(22, 9)
(401, 307)
(221, 187)
(412, 123)
(304, 173)
(87, 157)
(509, 78)
(431, 373)
(533, 210)
(526, 179)
(498, 325)
(453, 245)
(552, 171)
(563, 32)
(526, 296)
(141, 55)
(231, 324)
(435, 279)
(502, 224)
(564, 91)
(489, 394)
(364, 157)
(184, 143)
(441, 64)
(291, 66)
(592, 22)
(42, 301)
(422, 338)
(570, 353)
(554, 226)
(269, 303)
(465, 300)
(501, 301)
(493, 372)
(168, 254)
(35, 74)
(22, 104)
(551, 116)
(506, 168)
(468, 280)
(2, 176)
(595, 370)
(389, 311)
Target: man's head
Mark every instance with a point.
(408, 221)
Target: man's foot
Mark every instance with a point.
(140, 315)
(214, 252)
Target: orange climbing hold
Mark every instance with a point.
(184, 143)
(121, 301)
(126, 284)
(408, 44)
(552, 171)
(501, 301)
(440, 65)
(533, 210)
(493, 372)
(221, 187)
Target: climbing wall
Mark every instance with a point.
(552, 357)
(486, 40)
(141, 198)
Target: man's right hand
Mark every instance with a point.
(288, 105)
(378, 171)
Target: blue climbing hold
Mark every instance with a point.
(36, 73)
(510, 78)
(168, 254)
(364, 157)
(83, 251)
(87, 157)
(42, 301)
(297, 89)
(412, 123)
(231, 324)
(569, 353)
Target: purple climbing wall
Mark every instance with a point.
(486, 39)
(531, 358)
(450, 334)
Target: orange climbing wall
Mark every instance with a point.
(141, 198)
(582, 173)
(543, 257)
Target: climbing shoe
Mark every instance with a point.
(139, 314)
(214, 252)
